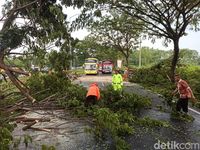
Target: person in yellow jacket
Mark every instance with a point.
(117, 81)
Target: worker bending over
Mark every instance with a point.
(93, 95)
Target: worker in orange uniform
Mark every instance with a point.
(93, 95)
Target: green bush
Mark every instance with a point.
(129, 102)
(148, 122)
(35, 82)
(73, 103)
(192, 75)
(5, 138)
(107, 120)
(158, 75)
(55, 83)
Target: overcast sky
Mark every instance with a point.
(191, 41)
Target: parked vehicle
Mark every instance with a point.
(91, 66)
(107, 66)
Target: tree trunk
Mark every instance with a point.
(14, 80)
(10, 18)
(127, 61)
(175, 58)
(23, 90)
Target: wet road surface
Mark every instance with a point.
(144, 139)
(72, 135)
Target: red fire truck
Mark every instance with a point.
(106, 66)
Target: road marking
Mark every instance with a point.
(194, 111)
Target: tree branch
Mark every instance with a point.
(18, 53)
(195, 5)
(26, 5)
(124, 8)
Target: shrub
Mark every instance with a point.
(5, 138)
(157, 75)
(106, 120)
(55, 83)
(117, 101)
(191, 74)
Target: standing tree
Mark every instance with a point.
(167, 19)
(150, 56)
(34, 23)
(90, 47)
(118, 32)
(59, 61)
(188, 56)
(164, 18)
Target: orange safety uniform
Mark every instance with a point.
(93, 91)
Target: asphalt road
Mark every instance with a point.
(182, 132)
(69, 133)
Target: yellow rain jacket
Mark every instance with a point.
(117, 82)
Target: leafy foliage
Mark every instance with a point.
(129, 102)
(148, 122)
(90, 47)
(182, 117)
(158, 75)
(59, 61)
(55, 83)
(189, 57)
(5, 138)
(106, 120)
(119, 32)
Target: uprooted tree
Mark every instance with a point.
(167, 19)
(32, 23)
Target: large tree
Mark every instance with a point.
(90, 47)
(117, 31)
(164, 18)
(167, 19)
(34, 23)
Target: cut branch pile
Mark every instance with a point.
(22, 106)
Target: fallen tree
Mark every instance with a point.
(33, 24)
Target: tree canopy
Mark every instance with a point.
(166, 19)
(117, 31)
(34, 24)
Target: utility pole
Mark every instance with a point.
(140, 54)
(70, 53)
